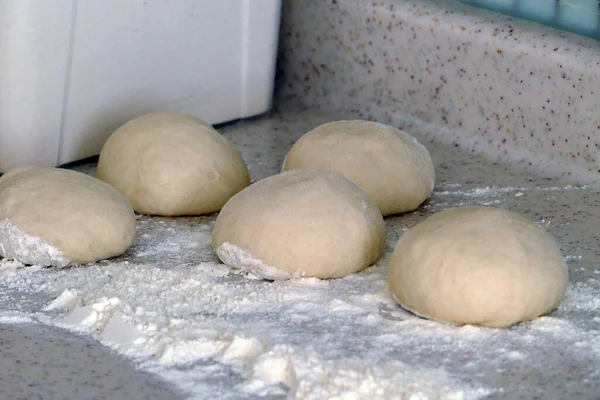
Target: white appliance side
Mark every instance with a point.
(260, 38)
(34, 54)
(139, 56)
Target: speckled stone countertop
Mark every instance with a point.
(43, 362)
(557, 356)
(512, 89)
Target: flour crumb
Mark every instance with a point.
(17, 245)
(242, 352)
(273, 373)
(15, 319)
(68, 299)
(118, 333)
(194, 345)
(236, 257)
(515, 355)
(94, 316)
(8, 268)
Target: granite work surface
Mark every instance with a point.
(173, 310)
(521, 92)
(44, 362)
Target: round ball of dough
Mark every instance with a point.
(51, 216)
(388, 164)
(172, 164)
(478, 265)
(303, 223)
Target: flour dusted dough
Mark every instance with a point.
(307, 222)
(391, 166)
(478, 265)
(172, 164)
(51, 216)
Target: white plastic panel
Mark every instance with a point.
(71, 71)
(260, 52)
(34, 48)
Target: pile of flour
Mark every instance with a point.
(199, 322)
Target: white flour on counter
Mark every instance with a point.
(219, 333)
(202, 321)
(173, 319)
(491, 191)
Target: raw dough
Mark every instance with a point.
(308, 222)
(172, 164)
(391, 166)
(51, 216)
(478, 265)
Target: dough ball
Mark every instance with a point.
(172, 164)
(51, 216)
(478, 265)
(389, 165)
(303, 223)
